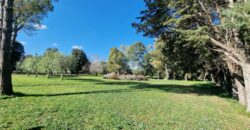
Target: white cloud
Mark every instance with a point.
(55, 44)
(40, 26)
(23, 43)
(77, 47)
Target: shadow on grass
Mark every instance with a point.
(199, 89)
(85, 80)
(37, 128)
(18, 94)
(61, 83)
(39, 85)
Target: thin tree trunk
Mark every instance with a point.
(167, 73)
(5, 56)
(174, 76)
(62, 76)
(205, 76)
(246, 75)
(212, 78)
(48, 74)
(186, 76)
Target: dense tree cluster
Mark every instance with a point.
(54, 62)
(200, 38)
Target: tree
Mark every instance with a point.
(97, 67)
(50, 61)
(78, 60)
(198, 22)
(29, 64)
(15, 16)
(28, 15)
(117, 61)
(17, 54)
(5, 54)
(63, 64)
(135, 54)
(148, 68)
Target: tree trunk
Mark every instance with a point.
(212, 78)
(167, 73)
(48, 74)
(5, 55)
(241, 92)
(62, 76)
(237, 78)
(174, 76)
(246, 75)
(186, 76)
(36, 74)
(205, 76)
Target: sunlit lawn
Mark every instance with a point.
(93, 103)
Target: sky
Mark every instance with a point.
(92, 25)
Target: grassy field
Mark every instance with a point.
(93, 103)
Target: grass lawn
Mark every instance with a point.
(94, 103)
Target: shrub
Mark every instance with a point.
(111, 76)
(125, 77)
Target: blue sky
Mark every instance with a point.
(93, 25)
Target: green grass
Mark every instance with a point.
(94, 103)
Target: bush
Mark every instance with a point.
(125, 77)
(111, 76)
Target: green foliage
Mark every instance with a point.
(183, 30)
(135, 54)
(28, 14)
(78, 61)
(237, 16)
(117, 61)
(30, 64)
(50, 61)
(94, 103)
(17, 54)
(64, 63)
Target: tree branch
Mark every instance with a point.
(226, 48)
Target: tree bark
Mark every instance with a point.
(241, 92)
(186, 76)
(167, 73)
(5, 63)
(212, 78)
(246, 75)
(237, 78)
(205, 76)
(5, 55)
(62, 76)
